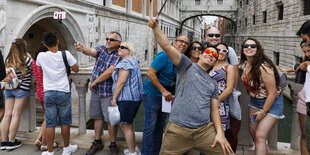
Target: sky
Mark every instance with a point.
(210, 19)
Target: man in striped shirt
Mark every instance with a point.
(101, 87)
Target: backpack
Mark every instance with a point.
(64, 56)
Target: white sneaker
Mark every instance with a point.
(126, 151)
(47, 153)
(70, 149)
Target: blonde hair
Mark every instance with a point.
(130, 48)
(16, 57)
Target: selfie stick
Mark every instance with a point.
(161, 9)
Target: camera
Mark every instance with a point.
(300, 75)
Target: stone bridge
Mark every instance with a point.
(221, 8)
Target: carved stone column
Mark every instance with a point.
(28, 117)
(295, 130)
(81, 84)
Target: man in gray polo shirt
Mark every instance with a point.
(195, 104)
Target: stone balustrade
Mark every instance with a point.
(81, 83)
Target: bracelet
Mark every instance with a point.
(265, 111)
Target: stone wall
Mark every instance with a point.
(276, 36)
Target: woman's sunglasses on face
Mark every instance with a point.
(196, 47)
(123, 47)
(224, 51)
(247, 45)
(214, 54)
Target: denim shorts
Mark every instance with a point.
(16, 93)
(275, 111)
(56, 104)
(128, 110)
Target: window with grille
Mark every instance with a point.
(265, 17)
(306, 7)
(219, 2)
(280, 11)
(276, 58)
(253, 18)
(197, 2)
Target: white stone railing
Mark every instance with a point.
(82, 79)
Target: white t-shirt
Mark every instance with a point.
(307, 84)
(54, 70)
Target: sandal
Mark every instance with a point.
(44, 147)
(37, 143)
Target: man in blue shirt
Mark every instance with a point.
(160, 81)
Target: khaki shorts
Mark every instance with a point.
(98, 107)
(178, 140)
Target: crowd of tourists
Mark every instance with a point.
(200, 78)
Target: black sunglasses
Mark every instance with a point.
(212, 35)
(224, 51)
(196, 47)
(182, 41)
(123, 47)
(111, 39)
(247, 45)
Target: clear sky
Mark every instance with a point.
(210, 19)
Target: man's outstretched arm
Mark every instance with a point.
(164, 43)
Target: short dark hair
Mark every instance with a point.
(304, 29)
(50, 39)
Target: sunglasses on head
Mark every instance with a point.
(247, 45)
(196, 47)
(123, 47)
(110, 39)
(304, 44)
(224, 51)
(212, 35)
(182, 41)
(214, 54)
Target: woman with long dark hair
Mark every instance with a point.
(194, 50)
(261, 79)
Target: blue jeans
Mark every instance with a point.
(154, 123)
(57, 104)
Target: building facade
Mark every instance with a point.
(88, 21)
(274, 23)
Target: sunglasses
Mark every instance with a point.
(111, 39)
(247, 45)
(123, 47)
(182, 41)
(212, 35)
(224, 51)
(195, 48)
(304, 44)
(214, 54)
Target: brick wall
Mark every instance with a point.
(137, 6)
(121, 3)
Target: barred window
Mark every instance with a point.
(265, 17)
(219, 2)
(197, 2)
(306, 7)
(280, 11)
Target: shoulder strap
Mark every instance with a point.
(64, 57)
(226, 69)
(183, 76)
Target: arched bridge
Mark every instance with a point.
(222, 8)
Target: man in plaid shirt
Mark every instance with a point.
(101, 87)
